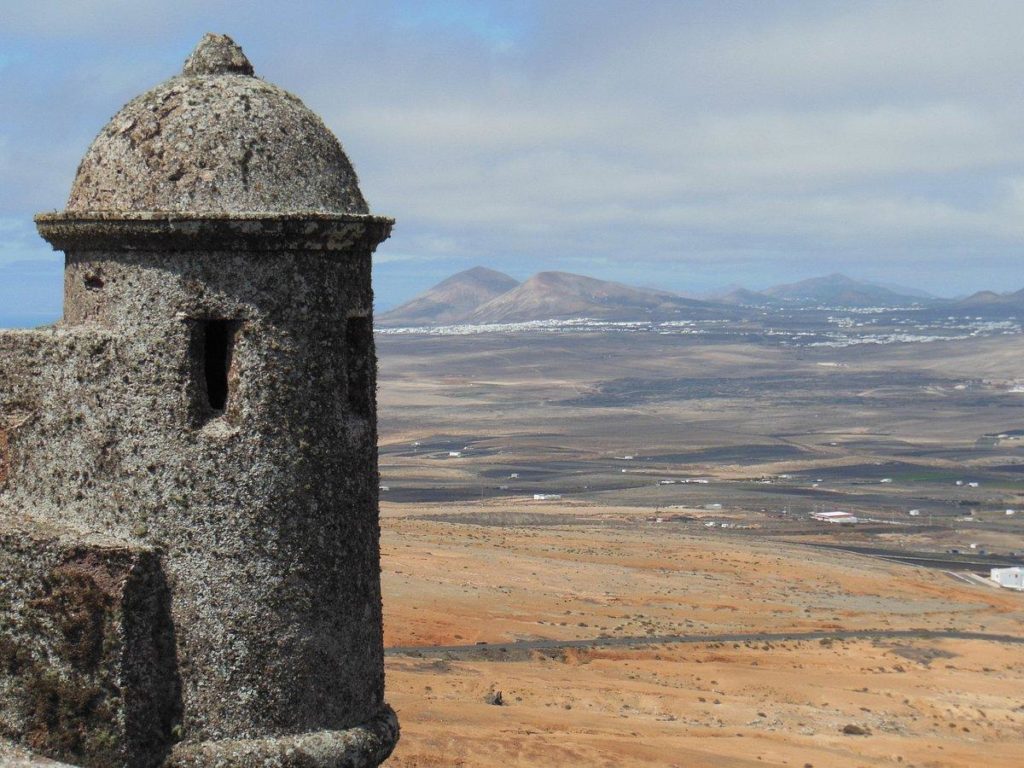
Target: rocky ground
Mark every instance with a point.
(822, 702)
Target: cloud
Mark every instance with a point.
(921, 49)
(823, 136)
(92, 19)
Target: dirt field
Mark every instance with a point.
(922, 702)
(473, 427)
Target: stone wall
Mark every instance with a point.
(188, 464)
(87, 647)
(51, 380)
(267, 509)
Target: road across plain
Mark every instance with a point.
(928, 559)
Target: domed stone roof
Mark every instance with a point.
(216, 140)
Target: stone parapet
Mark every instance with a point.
(189, 526)
(87, 646)
(99, 231)
(364, 746)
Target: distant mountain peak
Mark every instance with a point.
(485, 274)
(741, 296)
(451, 300)
(838, 289)
(990, 301)
(555, 295)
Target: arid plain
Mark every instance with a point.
(676, 605)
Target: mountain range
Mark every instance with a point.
(982, 300)
(483, 296)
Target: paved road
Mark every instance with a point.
(944, 562)
(498, 649)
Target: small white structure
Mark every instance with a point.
(914, 512)
(842, 518)
(1011, 578)
(1011, 512)
(454, 454)
(547, 496)
(885, 480)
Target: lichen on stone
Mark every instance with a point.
(217, 55)
(189, 532)
(216, 140)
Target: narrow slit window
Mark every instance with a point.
(218, 346)
(359, 364)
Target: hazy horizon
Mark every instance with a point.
(43, 280)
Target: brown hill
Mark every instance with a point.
(840, 290)
(451, 300)
(990, 300)
(744, 297)
(560, 295)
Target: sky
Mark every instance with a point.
(682, 145)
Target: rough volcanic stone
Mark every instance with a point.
(217, 55)
(208, 402)
(86, 645)
(216, 139)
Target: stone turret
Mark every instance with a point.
(189, 572)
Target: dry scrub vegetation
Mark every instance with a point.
(851, 703)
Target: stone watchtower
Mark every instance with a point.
(189, 558)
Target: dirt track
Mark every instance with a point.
(620, 646)
(516, 650)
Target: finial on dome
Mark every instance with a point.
(217, 55)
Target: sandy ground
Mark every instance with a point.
(922, 702)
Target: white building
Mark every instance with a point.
(1011, 578)
(835, 517)
(546, 496)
